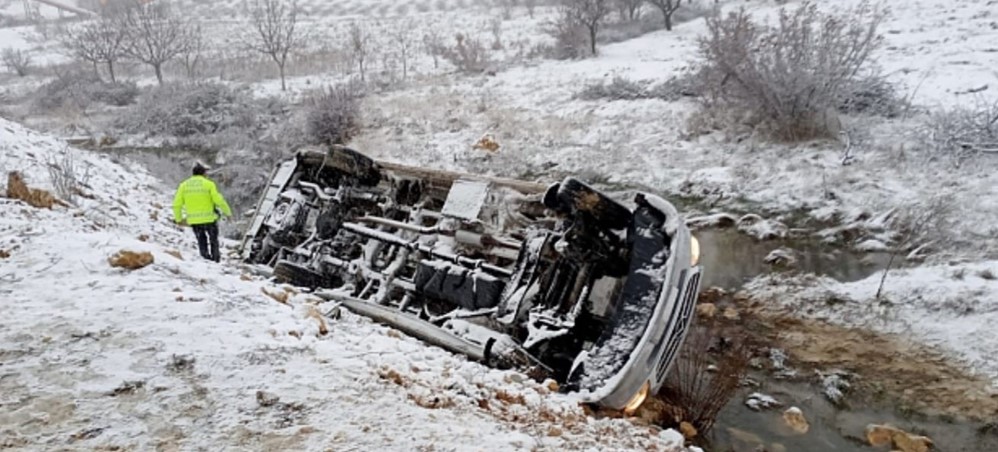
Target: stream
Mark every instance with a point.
(730, 259)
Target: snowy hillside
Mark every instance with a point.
(184, 354)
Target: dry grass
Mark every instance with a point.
(280, 297)
(131, 260)
(313, 313)
(18, 189)
(708, 373)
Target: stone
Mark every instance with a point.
(781, 257)
(794, 418)
(882, 435)
(731, 314)
(707, 310)
(688, 430)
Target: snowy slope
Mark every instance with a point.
(186, 355)
(546, 131)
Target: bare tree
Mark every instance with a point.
(402, 38)
(17, 61)
(99, 42)
(153, 35)
(586, 13)
(668, 8)
(277, 31)
(359, 48)
(531, 6)
(629, 9)
(434, 45)
(195, 49)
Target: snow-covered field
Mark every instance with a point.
(942, 54)
(953, 307)
(188, 355)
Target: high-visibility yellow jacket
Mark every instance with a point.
(196, 200)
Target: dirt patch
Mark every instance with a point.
(913, 377)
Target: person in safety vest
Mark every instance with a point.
(198, 204)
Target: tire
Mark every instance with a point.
(574, 197)
(297, 275)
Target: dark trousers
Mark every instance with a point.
(207, 235)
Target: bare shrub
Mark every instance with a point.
(787, 77)
(17, 61)
(918, 227)
(190, 109)
(871, 94)
(68, 176)
(80, 89)
(620, 88)
(468, 54)
(965, 131)
(333, 115)
(711, 365)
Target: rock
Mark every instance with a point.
(781, 257)
(266, 399)
(731, 314)
(745, 437)
(760, 228)
(130, 260)
(688, 430)
(882, 435)
(712, 295)
(794, 417)
(834, 385)
(707, 310)
(758, 401)
(717, 220)
(907, 442)
(871, 245)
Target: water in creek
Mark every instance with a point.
(730, 259)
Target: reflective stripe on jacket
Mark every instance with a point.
(196, 199)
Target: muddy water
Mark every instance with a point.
(730, 259)
(832, 428)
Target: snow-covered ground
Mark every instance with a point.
(189, 355)
(943, 54)
(953, 307)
